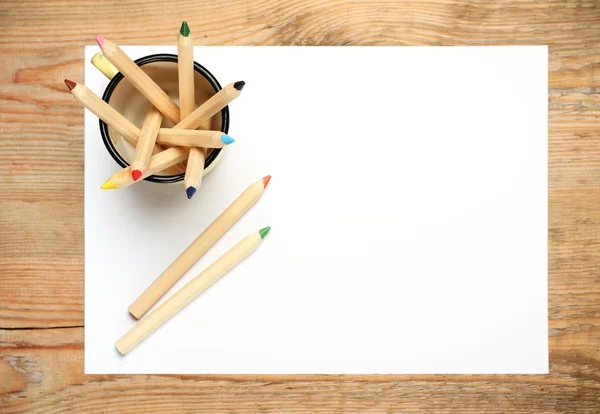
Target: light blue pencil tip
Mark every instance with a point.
(226, 139)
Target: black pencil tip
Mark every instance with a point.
(239, 85)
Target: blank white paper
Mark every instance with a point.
(408, 208)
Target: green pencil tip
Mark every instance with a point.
(185, 30)
(263, 232)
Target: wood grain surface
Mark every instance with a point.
(41, 201)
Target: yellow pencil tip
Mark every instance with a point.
(109, 185)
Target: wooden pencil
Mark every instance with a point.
(185, 66)
(212, 106)
(139, 79)
(185, 70)
(112, 117)
(105, 112)
(143, 149)
(158, 163)
(198, 247)
(195, 165)
(194, 171)
(190, 291)
(193, 138)
(104, 66)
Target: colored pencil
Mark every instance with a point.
(198, 247)
(195, 165)
(103, 65)
(105, 112)
(190, 291)
(158, 163)
(194, 171)
(139, 79)
(143, 149)
(185, 66)
(212, 106)
(112, 117)
(193, 138)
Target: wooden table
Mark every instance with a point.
(41, 202)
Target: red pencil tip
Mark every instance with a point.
(70, 84)
(136, 174)
(266, 180)
(100, 40)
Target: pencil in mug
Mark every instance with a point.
(190, 291)
(158, 163)
(193, 138)
(112, 117)
(198, 247)
(185, 68)
(139, 79)
(143, 149)
(195, 165)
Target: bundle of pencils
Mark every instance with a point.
(189, 142)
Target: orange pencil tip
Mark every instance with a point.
(266, 180)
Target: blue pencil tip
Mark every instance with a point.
(226, 139)
(190, 191)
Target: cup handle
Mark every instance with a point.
(104, 66)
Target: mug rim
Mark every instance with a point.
(112, 85)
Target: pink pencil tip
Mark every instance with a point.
(100, 40)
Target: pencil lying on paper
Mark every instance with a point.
(198, 247)
(139, 79)
(185, 67)
(158, 163)
(143, 149)
(193, 138)
(204, 112)
(190, 291)
(112, 117)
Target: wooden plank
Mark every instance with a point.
(29, 356)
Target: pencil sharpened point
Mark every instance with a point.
(239, 85)
(136, 175)
(263, 232)
(185, 30)
(100, 40)
(226, 139)
(70, 84)
(266, 180)
(190, 191)
(109, 185)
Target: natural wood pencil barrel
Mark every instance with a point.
(192, 138)
(185, 72)
(198, 247)
(146, 141)
(212, 106)
(158, 163)
(189, 292)
(113, 118)
(139, 79)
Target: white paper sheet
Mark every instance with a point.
(408, 208)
